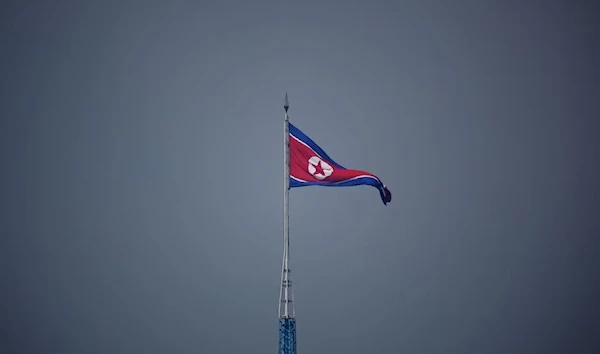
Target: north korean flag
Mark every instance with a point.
(311, 166)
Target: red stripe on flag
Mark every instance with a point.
(299, 165)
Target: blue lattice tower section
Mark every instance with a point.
(287, 313)
(287, 336)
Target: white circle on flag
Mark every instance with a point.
(315, 162)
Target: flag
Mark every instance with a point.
(311, 166)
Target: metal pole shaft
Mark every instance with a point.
(286, 205)
(286, 307)
(287, 320)
(286, 212)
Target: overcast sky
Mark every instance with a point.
(142, 162)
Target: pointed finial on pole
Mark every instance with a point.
(287, 103)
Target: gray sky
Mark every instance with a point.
(141, 145)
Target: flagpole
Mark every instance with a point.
(287, 320)
(286, 204)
